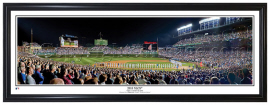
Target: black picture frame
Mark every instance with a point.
(261, 7)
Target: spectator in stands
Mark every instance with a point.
(38, 76)
(70, 74)
(222, 81)
(246, 79)
(92, 81)
(22, 75)
(118, 80)
(124, 81)
(231, 78)
(81, 81)
(50, 75)
(57, 81)
(198, 81)
(109, 79)
(172, 81)
(103, 79)
(161, 81)
(76, 78)
(206, 81)
(87, 78)
(29, 79)
(214, 80)
(64, 76)
(142, 80)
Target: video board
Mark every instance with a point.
(69, 42)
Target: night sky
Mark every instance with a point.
(121, 31)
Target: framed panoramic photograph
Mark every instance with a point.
(135, 52)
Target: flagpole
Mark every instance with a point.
(157, 45)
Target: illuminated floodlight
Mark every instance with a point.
(209, 19)
(186, 26)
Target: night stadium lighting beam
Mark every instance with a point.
(209, 19)
(186, 26)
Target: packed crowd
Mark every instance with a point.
(219, 37)
(212, 59)
(34, 44)
(100, 48)
(82, 50)
(67, 51)
(37, 51)
(62, 51)
(124, 50)
(33, 70)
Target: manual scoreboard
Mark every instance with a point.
(101, 42)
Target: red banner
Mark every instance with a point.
(145, 42)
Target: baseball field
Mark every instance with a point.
(136, 63)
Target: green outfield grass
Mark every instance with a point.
(92, 60)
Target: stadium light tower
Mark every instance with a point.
(184, 29)
(209, 23)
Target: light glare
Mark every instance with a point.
(209, 19)
(186, 26)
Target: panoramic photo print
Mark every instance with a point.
(134, 51)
